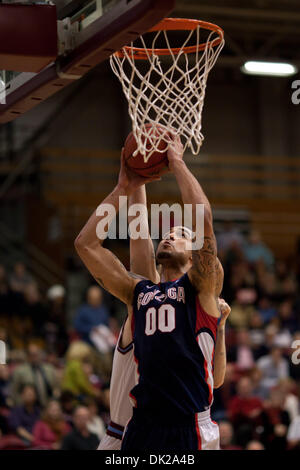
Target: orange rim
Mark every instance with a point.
(176, 24)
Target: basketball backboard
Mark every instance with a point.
(88, 32)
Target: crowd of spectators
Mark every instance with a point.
(258, 406)
(54, 389)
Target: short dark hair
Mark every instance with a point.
(77, 407)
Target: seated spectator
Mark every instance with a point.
(20, 331)
(289, 287)
(50, 430)
(293, 435)
(286, 280)
(288, 387)
(270, 332)
(92, 324)
(240, 285)
(55, 329)
(76, 377)
(17, 357)
(223, 394)
(257, 335)
(266, 309)
(258, 390)
(266, 280)
(104, 403)
(95, 424)
(255, 250)
(287, 321)
(68, 404)
(92, 314)
(229, 237)
(37, 373)
(23, 417)
(274, 407)
(226, 436)
(281, 270)
(242, 353)
(244, 407)
(255, 445)
(34, 309)
(274, 367)
(11, 302)
(80, 438)
(241, 315)
(20, 278)
(275, 421)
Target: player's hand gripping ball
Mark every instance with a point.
(158, 161)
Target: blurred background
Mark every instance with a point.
(59, 160)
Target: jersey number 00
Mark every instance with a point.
(162, 319)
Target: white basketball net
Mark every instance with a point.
(171, 95)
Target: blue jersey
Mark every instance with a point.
(174, 341)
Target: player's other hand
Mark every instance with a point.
(130, 181)
(175, 151)
(225, 311)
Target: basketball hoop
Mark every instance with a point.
(171, 95)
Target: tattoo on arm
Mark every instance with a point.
(204, 260)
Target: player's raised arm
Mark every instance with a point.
(101, 262)
(142, 255)
(205, 263)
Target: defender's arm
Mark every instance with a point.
(220, 348)
(142, 255)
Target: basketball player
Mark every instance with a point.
(123, 377)
(177, 329)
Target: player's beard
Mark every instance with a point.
(171, 258)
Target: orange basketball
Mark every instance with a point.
(156, 163)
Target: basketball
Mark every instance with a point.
(156, 163)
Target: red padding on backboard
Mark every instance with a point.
(28, 37)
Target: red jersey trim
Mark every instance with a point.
(204, 320)
(199, 446)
